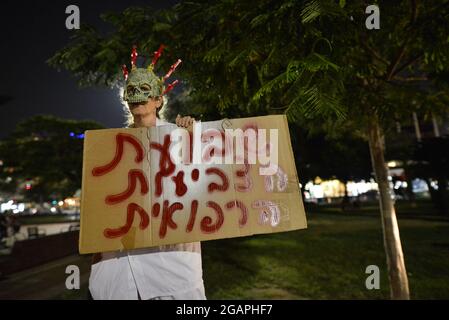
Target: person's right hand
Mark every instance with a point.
(185, 122)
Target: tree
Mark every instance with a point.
(312, 60)
(46, 153)
(432, 162)
(328, 66)
(346, 158)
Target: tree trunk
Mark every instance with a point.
(433, 193)
(410, 194)
(392, 241)
(345, 203)
(442, 195)
(439, 197)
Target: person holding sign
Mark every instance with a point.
(164, 272)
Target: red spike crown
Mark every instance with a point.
(156, 55)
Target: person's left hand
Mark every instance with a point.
(185, 122)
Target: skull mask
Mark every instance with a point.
(142, 84)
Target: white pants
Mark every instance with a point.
(194, 294)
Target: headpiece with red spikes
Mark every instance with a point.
(156, 56)
(143, 83)
(134, 57)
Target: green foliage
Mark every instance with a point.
(42, 151)
(346, 158)
(262, 57)
(313, 60)
(96, 59)
(390, 72)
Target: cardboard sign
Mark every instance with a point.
(135, 194)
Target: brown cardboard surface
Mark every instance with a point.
(278, 210)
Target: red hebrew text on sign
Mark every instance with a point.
(136, 195)
(166, 166)
(132, 208)
(120, 140)
(133, 176)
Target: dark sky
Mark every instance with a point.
(30, 33)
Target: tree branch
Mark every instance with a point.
(414, 12)
(365, 45)
(408, 79)
(373, 52)
(396, 60)
(409, 62)
(401, 52)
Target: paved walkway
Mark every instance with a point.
(47, 281)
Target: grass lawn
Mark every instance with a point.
(328, 260)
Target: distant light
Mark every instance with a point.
(53, 209)
(28, 186)
(11, 206)
(397, 185)
(7, 206)
(77, 136)
(61, 203)
(392, 164)
(34, 210)
(54, 202)
(70, 201)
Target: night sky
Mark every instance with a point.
(30, 33)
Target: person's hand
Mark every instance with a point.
(185, 122)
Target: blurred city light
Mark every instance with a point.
(11, 206)
(77, 136)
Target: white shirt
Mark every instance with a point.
(175, 272)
